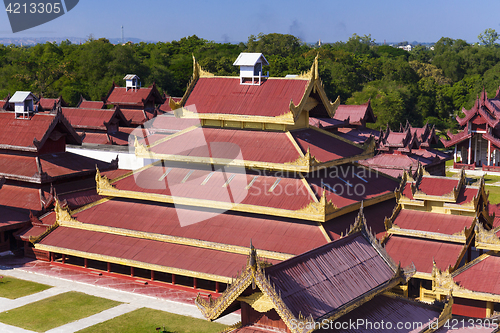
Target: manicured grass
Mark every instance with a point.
(146, 320)
(494, 197)
(13, 288)
(55, 311)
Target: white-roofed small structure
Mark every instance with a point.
(132, 81)
(23, 103)
(251, 67)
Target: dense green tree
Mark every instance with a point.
(488, 37)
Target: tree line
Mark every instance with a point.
(421, 86)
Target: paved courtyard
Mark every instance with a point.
(133, 294)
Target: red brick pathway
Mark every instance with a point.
(89, 276)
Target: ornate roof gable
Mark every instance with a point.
(266, 295)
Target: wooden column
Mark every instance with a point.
(173, 279)
(489, 308)
(85, 263)
(469, 151)
(217, 287)
(108, 267)
(194, 283)
(489, 153)
(475, 151)
(152, 275)
(63, 258)
(131, 271)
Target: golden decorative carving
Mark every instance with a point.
(140, 150)
(307, 160)
(102, 182)
(443, 280)
(486, 239)
(258, 301)
(63, 215)
(323, 207)
(253, 274)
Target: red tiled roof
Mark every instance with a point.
(136, 117)
(168, 123)
(385, 309)
(326, 122)
(84, 104)
(92, 118)
(437, 186)
(23, 199)
(324, 147)
(375, 216)
(357, 135)
(47, 104)
(466, 195)
(120, 138)
(482, 276)
(273, 147)
(432, 222)
(397, 162)
(133, 97)
(421, 252)
(53, 165)
(456, 138)
(165, 107)
(225, 95)
(343, 187)
(19, 134)
(355, 114)
(324, 279)
(147, 251)
(197, 185)
(266, 233)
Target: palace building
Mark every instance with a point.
(34, 166)
(247, 169)
(478, 144)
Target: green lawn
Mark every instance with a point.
(146, 320)
(13, 288)
(55, 311)
(494, 197)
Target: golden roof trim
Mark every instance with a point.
(307, 213)
(197, 73)
(172, 239)
(48, 230)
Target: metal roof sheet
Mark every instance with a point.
(432, 222)
(220, 185)
(21, 96)
(273, 147)
(266, 233)
(324, 279)
(225, 95)
(250, 59)
(146, 251)
(390, 311)
(422, 252)
(482, 276)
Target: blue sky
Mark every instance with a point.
(224, 20)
